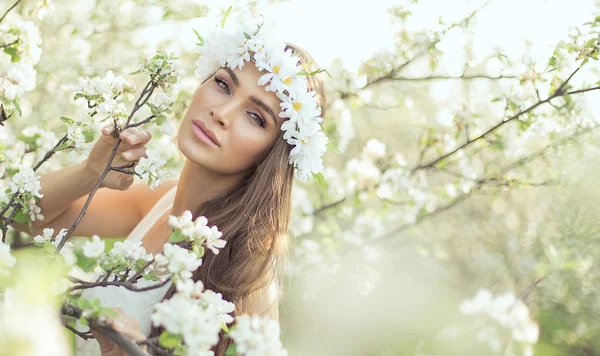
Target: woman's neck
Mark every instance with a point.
(198, 185)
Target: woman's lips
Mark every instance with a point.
(201, 135)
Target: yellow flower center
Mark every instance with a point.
(288, 80)
(276, 69)
(305, 142)
(297, 106)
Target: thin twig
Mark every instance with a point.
(84, 335)
(9, 44)
(127, 285)
(7, 11)
(558, 92)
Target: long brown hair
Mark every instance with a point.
(254, 218)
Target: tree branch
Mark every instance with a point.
(101, 325)
(558, 92)
(81, 284)
(7, 11)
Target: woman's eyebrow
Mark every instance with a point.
(234, 77)
(253, 98)
(265, 107)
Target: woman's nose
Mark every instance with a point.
(218, 117)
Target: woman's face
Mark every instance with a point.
(241, 117)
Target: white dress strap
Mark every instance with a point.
(164, 203)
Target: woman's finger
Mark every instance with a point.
(135, 136)
(134, 154)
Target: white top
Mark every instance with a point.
(136, 304)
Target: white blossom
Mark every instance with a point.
(151, 168)
(178, 261)
(94, 248)
(196, 320)
(198, 230)
(125, 253)
(254, 336)
(25, 181)
(161, 101)
(374, 149)
(505, 310)
(47, 234)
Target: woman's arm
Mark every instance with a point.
(111, 213)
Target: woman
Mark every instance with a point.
(237, 173)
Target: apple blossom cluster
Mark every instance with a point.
(67, 251)
(177, 261)
(25, 182)
(125, 255)
(194, 315)
(27, 187)
(196, 231)
(26, 38)
(7, 260)
(21, 40)
(163, 69)
(80, 134)
(94, 248)
(150, 168)
(250, 39)
(254, 336)
(103, 94)
(506, 311)
(161, 104)
(19, 80)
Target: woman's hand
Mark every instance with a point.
(131, 149)
(126, 325)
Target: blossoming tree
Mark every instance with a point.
(521, 286)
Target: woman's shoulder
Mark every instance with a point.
(151, 197)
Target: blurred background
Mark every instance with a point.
(465, 161)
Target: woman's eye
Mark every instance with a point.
(223, 85)
(257, 119)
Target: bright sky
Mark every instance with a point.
(354, 30)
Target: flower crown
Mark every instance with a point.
(232, 46)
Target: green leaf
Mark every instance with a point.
(83, 303)
(67, 120)
(86, 263)
(321, 180)
(315, 72)
(83, 320)
(48, 247)
(21, 218)
(231, 350)
(17, 107)
(225, 16)
(169, 341)
(224, 327)
(61, 147)
(199, 38)
(133, 73)
(331, 147)
(109, 312)
(88, 134)
(199, 250)
(177, 236)
(12, 52)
